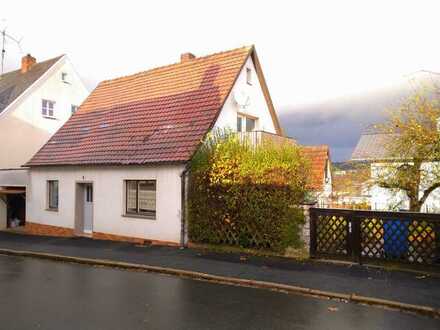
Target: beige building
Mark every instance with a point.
(35, 101)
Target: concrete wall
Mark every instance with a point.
(257, 104)
(386, 199)
(23, 127)
(109, 200)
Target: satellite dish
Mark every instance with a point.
(241, 97)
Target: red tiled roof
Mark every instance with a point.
(159, 115)
(318, 156)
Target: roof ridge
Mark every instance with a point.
(37, 63)
(162, 67)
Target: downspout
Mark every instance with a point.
(183, 177)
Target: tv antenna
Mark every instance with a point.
(5, 38)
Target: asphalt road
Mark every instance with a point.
(37, 294)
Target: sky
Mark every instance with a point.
(324, 61)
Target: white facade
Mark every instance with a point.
(255, 107)
(109, 182)
(386, 199)
(22, 125)
(109, 200)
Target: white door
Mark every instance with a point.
(88, 208)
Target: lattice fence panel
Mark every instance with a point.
(423, 242)
(372, 238)
(247, 235)
(399, 240)
(332, 235)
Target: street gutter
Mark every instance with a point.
(384, 303)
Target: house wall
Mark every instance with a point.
(109, 200)
(22, 126)
(257, 106)
(328, 184)
(386, 199)
(3, 213)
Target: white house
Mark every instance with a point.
(35, 101)
(117, 169)
(371, 149)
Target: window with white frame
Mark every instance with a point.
(249, 76)
(64, 78)
(246, 123)
(140, 198)
(73, 108)
(52, 195)
(48, 108)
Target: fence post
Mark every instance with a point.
(355, 240)
(313, 232)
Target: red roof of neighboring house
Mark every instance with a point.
(318, 156)
(156, 116)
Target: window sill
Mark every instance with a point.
(49, 117)
(52, 210)
(139, 216)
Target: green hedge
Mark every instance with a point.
(245, 196)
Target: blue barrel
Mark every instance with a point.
(396, 238)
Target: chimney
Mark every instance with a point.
(185, 57)
(27, 62)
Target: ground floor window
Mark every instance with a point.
(141, 197)
(52, 194)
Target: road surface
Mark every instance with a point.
(39, 294)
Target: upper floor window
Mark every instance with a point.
(249, 76)
(73, 108)
(48, 108)
(64, 77)
(246, 123)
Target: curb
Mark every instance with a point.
(419, 309)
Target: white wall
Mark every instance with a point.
(257, 106)
(386, 199)
(22, 126)
(109, 207)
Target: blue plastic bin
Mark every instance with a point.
(396, 238)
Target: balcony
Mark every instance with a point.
(256, 138)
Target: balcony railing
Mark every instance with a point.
(256, 138)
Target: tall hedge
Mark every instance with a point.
(246, 196)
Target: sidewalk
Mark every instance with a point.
(399, 286)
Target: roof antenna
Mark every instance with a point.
(5, 37)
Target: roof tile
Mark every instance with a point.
(159, 115)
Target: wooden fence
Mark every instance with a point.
(389, 236)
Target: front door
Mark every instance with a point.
(88, 208)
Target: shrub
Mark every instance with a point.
(246, 196)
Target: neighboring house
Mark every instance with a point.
(321, 172)
(351, 188)
(118, 168)
(371, 150)
(35, 101)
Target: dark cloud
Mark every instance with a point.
(339, 122)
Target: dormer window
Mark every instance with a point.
(73, 108)
(249, 76)
(48, 108)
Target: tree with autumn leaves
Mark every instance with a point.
(412, 162)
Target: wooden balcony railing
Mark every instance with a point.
(255, 138)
